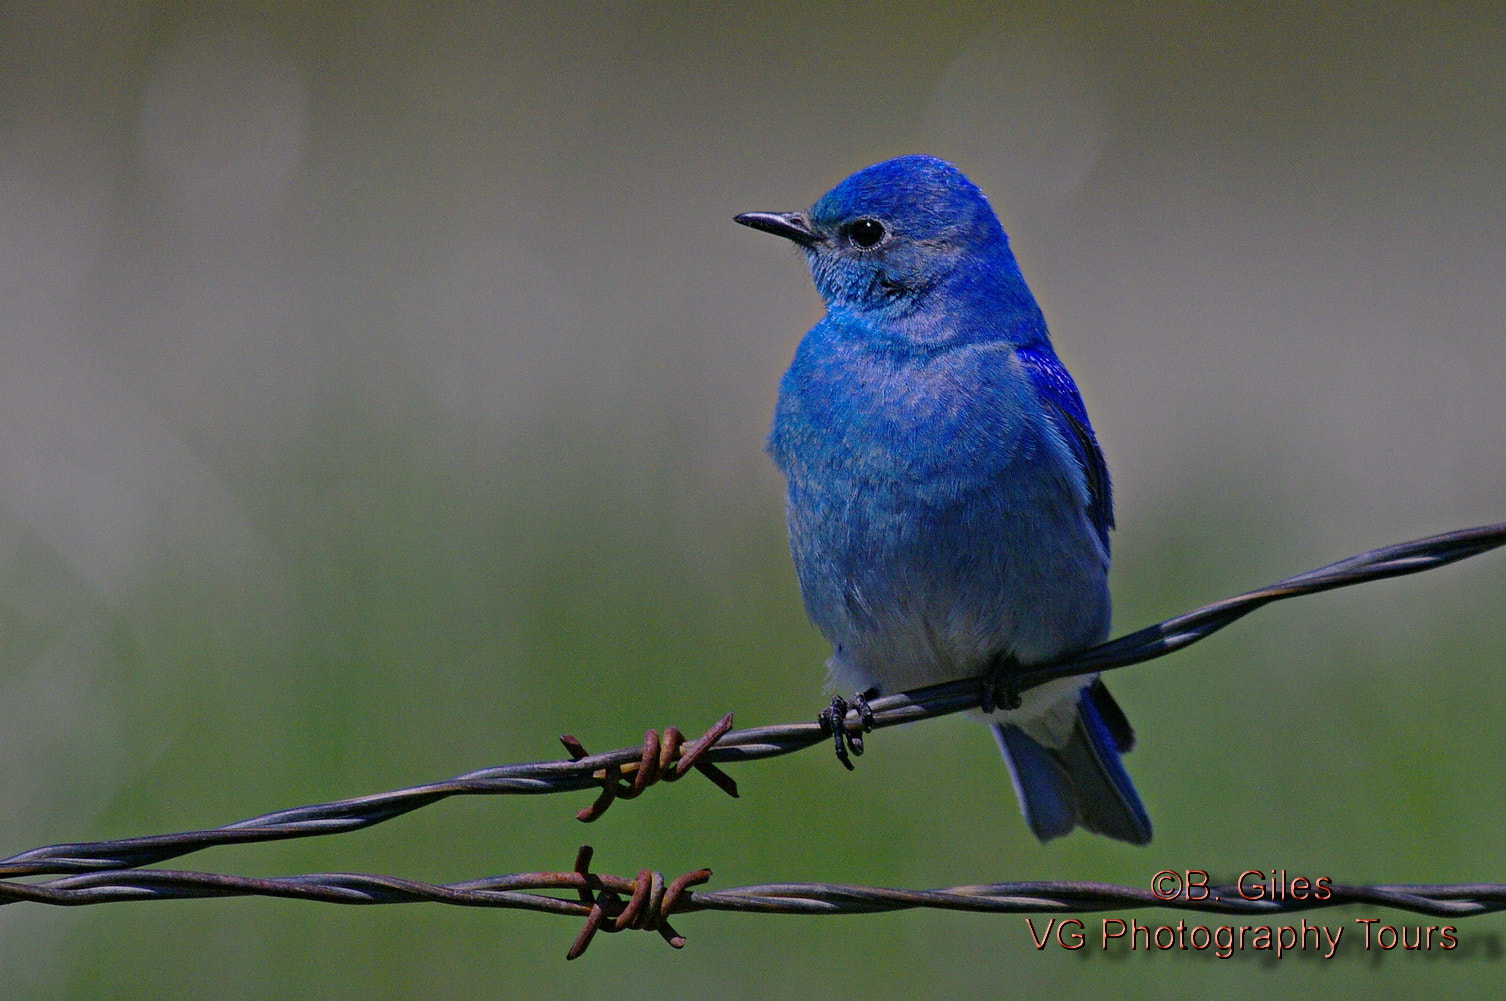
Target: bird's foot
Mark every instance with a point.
(1000, 685)
(833, 720)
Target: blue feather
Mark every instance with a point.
(1059, 393)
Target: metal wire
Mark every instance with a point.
(602, 771)
(614, 903)
(109, 870)
(514, 891)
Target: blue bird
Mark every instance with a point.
(947, 502)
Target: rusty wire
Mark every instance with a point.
(109, 870)
(646, 901)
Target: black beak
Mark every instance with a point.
(790, 225)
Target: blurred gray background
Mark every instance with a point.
(382, 391)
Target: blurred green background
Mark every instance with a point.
(382, 390)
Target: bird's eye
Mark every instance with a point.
(866, 233)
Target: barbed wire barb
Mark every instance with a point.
(662, 758)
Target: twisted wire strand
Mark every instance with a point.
(614, 903)
(626, 772)
(521, 891)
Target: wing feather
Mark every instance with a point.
(1063, 402)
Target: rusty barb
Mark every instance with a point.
(649, 904)
(663, 758)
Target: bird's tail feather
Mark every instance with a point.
(1082, 782)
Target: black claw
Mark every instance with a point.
(1000, 690)
(865, 720)
(833, 720)
(865, 711)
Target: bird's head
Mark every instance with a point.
(884, 238)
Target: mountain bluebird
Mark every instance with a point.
(948, 505)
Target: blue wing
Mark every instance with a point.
(1057, 390)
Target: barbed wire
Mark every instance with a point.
(646, 901)
(104, 871)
